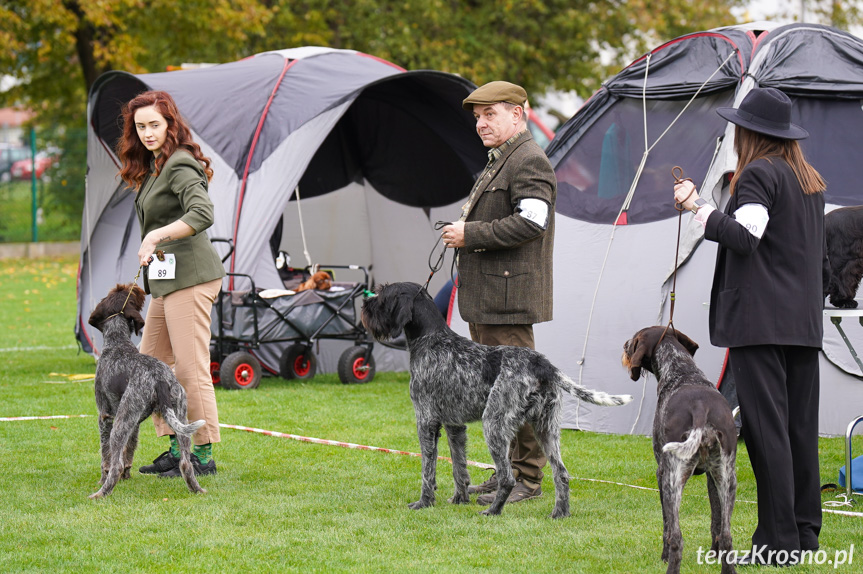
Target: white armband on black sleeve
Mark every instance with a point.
(534, 210)
(754, 217)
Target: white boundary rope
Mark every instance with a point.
(469, 462)
(345, 444)
(8, 419)
(37, 348)
(354, 446)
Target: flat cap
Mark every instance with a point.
(494, 92)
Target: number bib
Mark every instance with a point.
(162, 269)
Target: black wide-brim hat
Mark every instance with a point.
(766, 111)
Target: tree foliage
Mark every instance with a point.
(840, 14)
(57, 48)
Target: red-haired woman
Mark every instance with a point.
(170, 176)
(766, 307)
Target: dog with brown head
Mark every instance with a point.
(120, 301)
(693, 433)
(638, 351)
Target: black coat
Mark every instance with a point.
(769, 291)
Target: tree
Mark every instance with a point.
(843, 15)
(57, 48)
(541, 44)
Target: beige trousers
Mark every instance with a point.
(525, 452)
(177, 331)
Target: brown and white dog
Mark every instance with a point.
(320, 281)
(693, 433)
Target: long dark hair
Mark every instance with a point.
(135, 158)
(751, 145)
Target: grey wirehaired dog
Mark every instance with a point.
(130, 387)
(456, 381)
(693, 433)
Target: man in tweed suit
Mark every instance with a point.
(505, 238)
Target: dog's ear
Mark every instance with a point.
(687, 343)
(133, 314)
(636, 352)
(401, 309)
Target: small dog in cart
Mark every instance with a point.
(455, 381)
(130, 387)
(693, 433)
(321, 281)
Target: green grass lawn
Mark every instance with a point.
(279, 505)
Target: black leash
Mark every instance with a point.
(436, 266)
(677, 174)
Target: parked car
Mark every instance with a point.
(540, 132)
(8, 156)
(23, 169)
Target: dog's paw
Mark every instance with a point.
(419, 504)
(840, 303)
(489, 512)
(97, 495)
(459, 499)
(559, 513)
(126, 474)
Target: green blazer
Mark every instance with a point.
(505, 267)
(180, 192)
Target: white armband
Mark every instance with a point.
(754, 217)
(535, 210)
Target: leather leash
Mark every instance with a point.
(677, 174)
(161, 256)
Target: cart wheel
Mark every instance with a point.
(353, 368)
(215, 367)
(240, 370)
(298, 362)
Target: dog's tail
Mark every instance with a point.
(686, 450)
(600, 398)
(183, 429)
(166, 408)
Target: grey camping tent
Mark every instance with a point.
(377, 154)
(615, 243)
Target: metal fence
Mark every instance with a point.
(29, 215)
(45, 203)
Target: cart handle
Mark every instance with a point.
(249, 277)
(230, 243)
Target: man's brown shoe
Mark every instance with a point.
(489, 485)
(519, 492)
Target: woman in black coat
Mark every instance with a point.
(766, 307)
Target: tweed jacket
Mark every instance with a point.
(180, 192)
(505, 267)
(769, 292)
